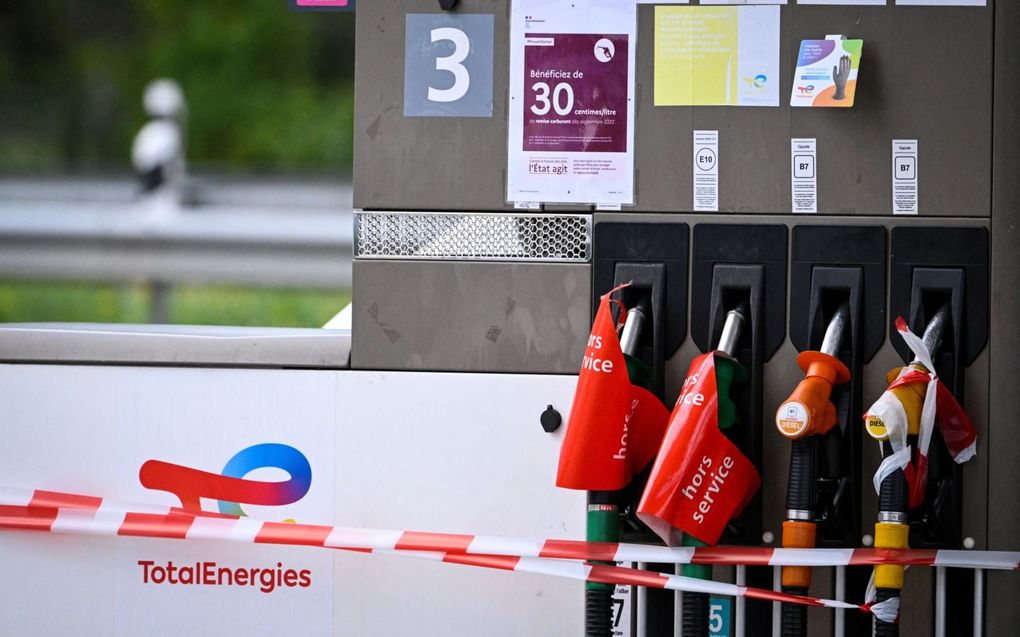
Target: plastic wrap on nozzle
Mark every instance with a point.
(898, 409)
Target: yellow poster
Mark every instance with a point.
(716, 56)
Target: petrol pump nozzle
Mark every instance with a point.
(603, 520)
(809, 409)
(891, 528)
(807, 414)
(912, 396)
(727, 370)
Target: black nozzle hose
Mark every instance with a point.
(800, 490)
(886, 629)
(598, 613)
(892, 494)
(794, 615)
(695, 615)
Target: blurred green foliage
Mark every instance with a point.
(191, 305)
(267, 89)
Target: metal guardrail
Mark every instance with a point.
(265, 233)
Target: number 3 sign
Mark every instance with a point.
(448, 65)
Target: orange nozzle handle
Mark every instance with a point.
(809, 409)
(798, 535)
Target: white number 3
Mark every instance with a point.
(452, 63)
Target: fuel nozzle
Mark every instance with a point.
(727, 369)
(809, 410)
(630, 340)
(695, 616)
(911, 396)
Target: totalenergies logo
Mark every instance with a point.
(806, 90)
(758, 81)
(230, 488)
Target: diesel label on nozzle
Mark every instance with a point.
(791, 419)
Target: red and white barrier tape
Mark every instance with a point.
(215, 525)
(71, 513)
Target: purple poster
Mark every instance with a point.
(575, 93)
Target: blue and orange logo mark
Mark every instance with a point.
(758, 81)
(230, 488)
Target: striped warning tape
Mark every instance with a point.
(72, 513)
(205, 525)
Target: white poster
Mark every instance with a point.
(717, 56)
(904, 176)
(571, 133)
(944, 3)
(803, 175)
(706, 171)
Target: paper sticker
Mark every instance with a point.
(622, 606)
(844, 2)
(706, 170)
(943, 3)
(571, 110)
(826, 73)
(716, 56)
(904, 176)
(803, 171)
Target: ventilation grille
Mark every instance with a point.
(473, 236)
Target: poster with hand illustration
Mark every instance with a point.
(826, 73)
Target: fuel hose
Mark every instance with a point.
(603, 517)
(892, 528)
(804, 417)
(694, 609)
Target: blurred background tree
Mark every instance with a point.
(267, 89)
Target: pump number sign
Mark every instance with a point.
(571, 102)
(448, 65)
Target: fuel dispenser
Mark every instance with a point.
(424, 246)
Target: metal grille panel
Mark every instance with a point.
(473, 236)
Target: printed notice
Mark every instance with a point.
(571, 112)
(717, 56)
(904, 176)
(944, 3)
(622, 606)
(803, 168)
(706, 170)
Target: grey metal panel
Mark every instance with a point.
(925, 74)
(1003, 590)
(423, 163)
(174, 345)
(471, 316)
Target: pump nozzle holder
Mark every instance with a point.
(809, 410)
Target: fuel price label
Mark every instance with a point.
(571, 104)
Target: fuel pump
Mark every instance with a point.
(727, 371)
(805, 417)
